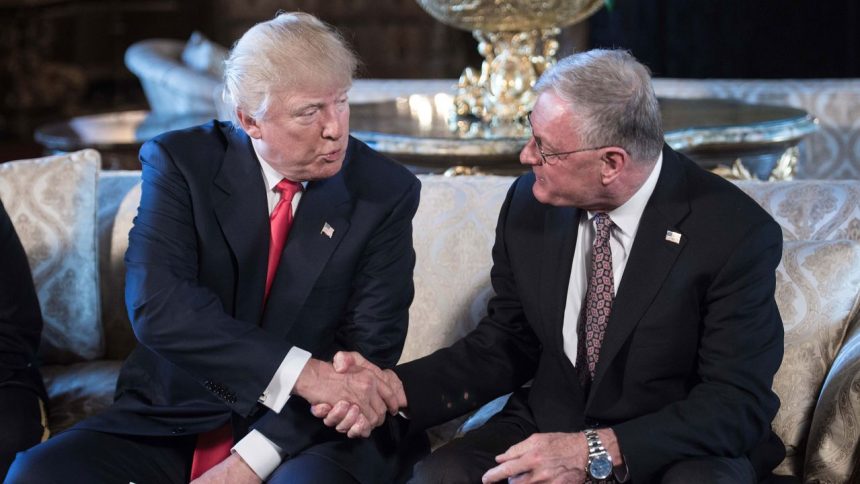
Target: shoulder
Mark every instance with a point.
(723, 209)
(198, 140)
(370, 174)
(196, 148)
(721, 197)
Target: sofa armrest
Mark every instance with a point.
(833, 451)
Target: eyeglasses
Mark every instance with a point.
(545, 156)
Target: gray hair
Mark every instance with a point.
(289, 52)
(612, 95)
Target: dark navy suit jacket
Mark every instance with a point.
(20, 316)
(196, 265)
(691, 347)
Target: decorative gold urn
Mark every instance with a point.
(517, 40)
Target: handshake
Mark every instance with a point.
(351, 394)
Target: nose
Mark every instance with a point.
(335, 122)
(529, 155)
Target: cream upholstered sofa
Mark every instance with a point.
(74, 219)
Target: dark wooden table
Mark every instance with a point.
(117, 136)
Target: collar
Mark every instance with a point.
(626, 217)
(271, 175)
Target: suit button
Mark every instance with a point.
(178, 430)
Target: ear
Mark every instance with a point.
(615, 160)
(249, 124)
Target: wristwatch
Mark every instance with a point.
(599, 461)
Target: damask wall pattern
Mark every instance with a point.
(831, 153)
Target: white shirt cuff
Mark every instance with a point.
(275, 396)
(260, 453)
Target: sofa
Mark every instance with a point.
(74, 218)
(178, 78)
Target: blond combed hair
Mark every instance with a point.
(288, 53)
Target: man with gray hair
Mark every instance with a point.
(260, 249)
(633, 290)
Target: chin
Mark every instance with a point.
(540, 194)
(327, 170)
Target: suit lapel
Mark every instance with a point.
(560, 229)
(307, 250)
(650, 261)
(239, 197)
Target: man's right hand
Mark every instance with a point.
(348, 417)
(354, 384)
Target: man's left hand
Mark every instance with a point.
(551, 457)
(230, 470)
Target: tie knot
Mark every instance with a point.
(288, 188)
(602, 224)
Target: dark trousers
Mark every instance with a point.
(466, 459)
(20, 423)
(87, 456)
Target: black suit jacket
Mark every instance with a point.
(20, 316)
(691, 347)
(196, 270)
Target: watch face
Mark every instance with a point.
(600, 467)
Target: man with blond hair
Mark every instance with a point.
(261, 247)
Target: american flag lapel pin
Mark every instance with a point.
(673, 237)
(327, 230)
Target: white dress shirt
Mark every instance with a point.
(626, 222)
(260, 453)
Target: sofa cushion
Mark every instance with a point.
(51, 201)
(78, 391)
(818, 283)
(808, 210)
(118, 198)
(452, 273)
(831, 450)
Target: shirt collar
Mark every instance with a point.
(271, 175)
(626, 217)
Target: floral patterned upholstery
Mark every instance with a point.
(51, 202)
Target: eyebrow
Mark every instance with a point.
(548, 147)
(305, 107)
(318, 105)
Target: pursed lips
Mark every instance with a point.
(332, 155)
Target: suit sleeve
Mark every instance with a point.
(497, 357)
(729, 410)
(174, 315)
(377, 315)
(375, 321)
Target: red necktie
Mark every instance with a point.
(598, 301)
(214, 446)
(281, 220)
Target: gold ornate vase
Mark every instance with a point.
(517, 40)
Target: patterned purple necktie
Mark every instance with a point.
(598, 301)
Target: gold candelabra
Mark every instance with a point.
(517, 39)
